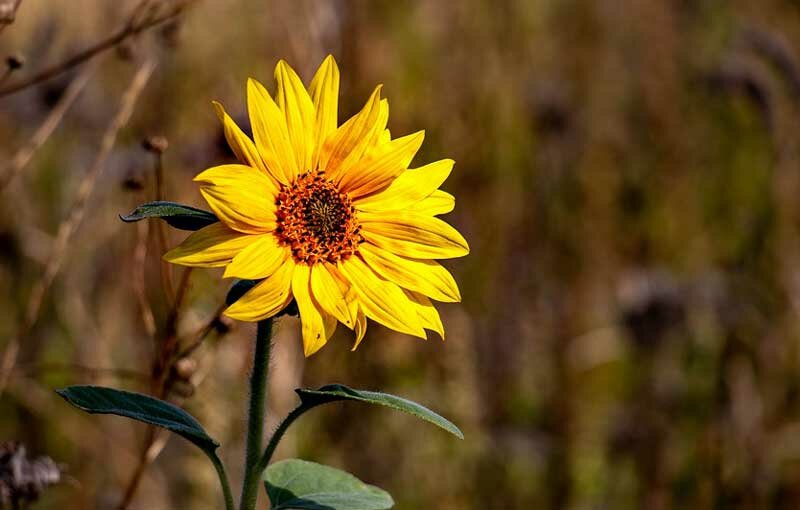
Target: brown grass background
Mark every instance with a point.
(627, 177)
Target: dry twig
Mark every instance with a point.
(23, 156)
(71, 223)
(136, 24)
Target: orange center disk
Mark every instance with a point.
(316, 220)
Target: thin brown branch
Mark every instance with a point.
(162, 364)
(132, 28)
(155, 442)
(139, 283)
(68, 227)
(26, 152)
(161, 234)
(153, 446)
(200, 335)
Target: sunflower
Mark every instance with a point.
(330, 216)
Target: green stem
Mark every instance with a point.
(277, 435)
(223, 480)
(256, 414)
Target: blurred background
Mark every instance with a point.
(626, 175)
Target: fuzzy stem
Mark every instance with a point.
(256, 415)
(276, 437)
(223, 480)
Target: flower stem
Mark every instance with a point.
(223, 480)
(256, 414)
(276, 437)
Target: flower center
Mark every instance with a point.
(316, 220)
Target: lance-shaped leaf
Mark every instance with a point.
(101, 400)
(144, 408)
(302, 485)
(339, 392)
(180, 216)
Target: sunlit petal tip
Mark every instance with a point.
(281, 67)
(360, 329)
(253, 83)
(256, 90)
(219, 109)
(312, 349)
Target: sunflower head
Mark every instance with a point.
(330, 216)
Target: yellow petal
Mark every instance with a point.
(347, 145)
(259, 260)
(316, 323)
(240, 143)
(265, 299)
(427, 313)
(242, 197)
(439, 202)
(380, 170)
(271, 133)
(331, 292)
(360, 329)
(425, 276)
(211, 246)
(324, 90)
(412, 235)
(408, 188)
(296, 105)
(385, 137)
(381, 300)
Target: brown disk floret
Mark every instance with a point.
(316, 220)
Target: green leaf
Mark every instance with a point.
(179, 216)
(100, 400)
(339, 392)
(299, 484)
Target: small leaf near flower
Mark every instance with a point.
(180, 216)
(303, 485)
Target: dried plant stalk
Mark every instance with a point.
(68, 227)
(25, 153)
